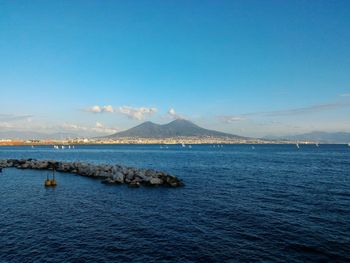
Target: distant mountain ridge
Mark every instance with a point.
(318, 136)
(176, 128)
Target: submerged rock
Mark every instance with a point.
(110, 174)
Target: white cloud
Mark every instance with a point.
(230, 119)
(94, 109)
(13, 117)
(100, 109)
(99, 125)
(345, 95)
(172, 113)
(73, 127)
(98, 128)
(136, 113)
(17, 122)
(6, 125)
(107, 108)
(130, 112)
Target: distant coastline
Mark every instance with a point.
(140, 141)
(179, 131)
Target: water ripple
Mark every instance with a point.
(274, 204)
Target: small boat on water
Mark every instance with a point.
(317, 145)
(297, 145)
(183, 145)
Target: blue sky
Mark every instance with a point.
(247, 67)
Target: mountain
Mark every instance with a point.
(318, 136)
(176, 128)
(30, 135)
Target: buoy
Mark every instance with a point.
(53, 181)
(47, 182)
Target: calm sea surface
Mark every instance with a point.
(272, 203)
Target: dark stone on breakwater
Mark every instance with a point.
(109, 174)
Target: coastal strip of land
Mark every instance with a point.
(144, 141)
(107, 173)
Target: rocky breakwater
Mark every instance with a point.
(109, 174)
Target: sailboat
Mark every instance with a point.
(297, 145)
(317, 145)
(183, 145)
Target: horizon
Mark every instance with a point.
(314, 136)
(247, 68)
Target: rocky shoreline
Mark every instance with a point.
(109, 174)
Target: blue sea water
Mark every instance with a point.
(274, 203)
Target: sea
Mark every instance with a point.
(240, 203)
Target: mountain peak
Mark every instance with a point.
(147, 123)
(175, 128)
(181, 121)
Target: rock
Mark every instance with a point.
(101, 174)
(111, 174)
(25, 165)
(118, 177)
(144, 178)
(150, 172)
(129, 177)
(156, 181)
(42, 165)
